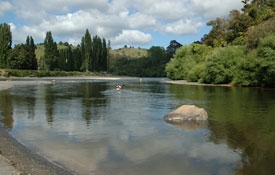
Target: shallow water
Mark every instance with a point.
(90, 128)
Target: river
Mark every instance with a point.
(88, 127)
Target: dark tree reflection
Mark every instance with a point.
(92, 98)
(6, 109)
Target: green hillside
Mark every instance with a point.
(129, 52)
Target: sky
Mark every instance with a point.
(137, 23)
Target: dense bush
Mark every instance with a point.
(246, 71)
(266, 61)
(220, 65)
(188, 62)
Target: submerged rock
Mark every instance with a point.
(188, 117)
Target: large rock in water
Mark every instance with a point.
(188, 117)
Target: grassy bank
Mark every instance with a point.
(42, 73)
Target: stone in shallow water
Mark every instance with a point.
(188, 117)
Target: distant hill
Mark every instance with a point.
(129, 52)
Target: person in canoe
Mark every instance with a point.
(118, 87)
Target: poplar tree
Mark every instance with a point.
(50, 53)
(86, 49)
(94, 53)
(5, 44)
(104, 56)
(97, 50)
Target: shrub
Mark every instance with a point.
(220, 66)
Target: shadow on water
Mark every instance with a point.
(124, 131)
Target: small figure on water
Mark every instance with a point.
(118, 87)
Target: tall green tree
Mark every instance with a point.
(96, 54)
(104, 59)
(86, 50)
(30, 47)
(30, 43)
(171, 49)
(50, 53)
(76, 54)
(5, 44)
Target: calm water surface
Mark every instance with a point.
(90, 128)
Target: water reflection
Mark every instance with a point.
(189, 124)
(244, 119)
(92, 99)
(93, 129)
(6, 107)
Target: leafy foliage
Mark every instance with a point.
(188, 62)
(22, 56)
(220, 66)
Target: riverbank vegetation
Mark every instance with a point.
(239, 49)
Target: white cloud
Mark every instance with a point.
(163, 9)
(133, 37)
(215, 8)
(141, 21)
(182, 27)
(118, 20)
(4, 7)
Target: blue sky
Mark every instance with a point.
(137, 23)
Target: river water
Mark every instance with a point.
(88, 127)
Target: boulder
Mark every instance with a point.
(186, 113)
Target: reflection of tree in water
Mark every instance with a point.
(6, 109)
(92, 98)
(247, 125)
(49, 102)
(31, 105)
(22, 99)
(90, 94)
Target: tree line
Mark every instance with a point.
(90, 55)
(239, 49)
